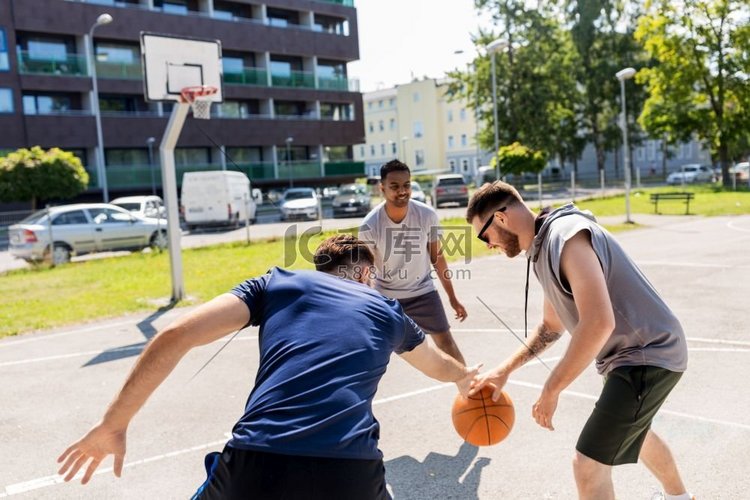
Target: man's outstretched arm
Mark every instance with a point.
(209, 322)
(438, 365)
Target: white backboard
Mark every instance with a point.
(171, 63)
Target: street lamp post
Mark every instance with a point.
(622, 75)
(100, 167)
(150, 143)
(493, 48)
(289, 141)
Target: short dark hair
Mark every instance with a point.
(342, 251)
(489, 197)
(393, 166)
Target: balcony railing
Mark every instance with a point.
(248, 76)
(347, 3)
(347, 167)
(216, 16)
(294, 79)
(299, 169)
(69, 65)
(136, 176)
(127, 71)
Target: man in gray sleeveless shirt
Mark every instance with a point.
(593, 290)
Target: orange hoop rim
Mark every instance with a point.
(189, 94)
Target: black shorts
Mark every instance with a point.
(427, 312)
(244, 474)
(614, 433)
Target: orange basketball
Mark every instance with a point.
(481, 421)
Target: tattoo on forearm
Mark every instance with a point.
(542, 339)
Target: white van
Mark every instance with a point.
(217, 197)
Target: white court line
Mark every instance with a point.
(661, 411)
(666, 263)
(718, 349)
(52, 336)
(731, 225)
(92, 353)
(689, 339)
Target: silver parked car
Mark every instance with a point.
(353, 200)
(81, 229)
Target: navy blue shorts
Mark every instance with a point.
(245, 474)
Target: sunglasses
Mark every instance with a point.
(487, 224)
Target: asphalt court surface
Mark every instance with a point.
(55, 385)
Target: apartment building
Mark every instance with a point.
(418, 124)
(290, 109)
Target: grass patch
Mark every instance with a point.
(708, 201)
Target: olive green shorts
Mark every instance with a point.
(614, 433)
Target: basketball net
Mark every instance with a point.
(199, 98)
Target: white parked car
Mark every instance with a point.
(741, 171)
(299, 203)
(81, 229)
(691, 174)
(416, 192)
(143, 206)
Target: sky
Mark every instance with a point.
(401, 38)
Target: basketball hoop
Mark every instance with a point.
(199, 98)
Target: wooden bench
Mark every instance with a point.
(686, 197)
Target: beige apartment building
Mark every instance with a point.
(416, 123)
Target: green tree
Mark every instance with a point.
(604, 45)
(537, 97)
(517, 159)
(34, 174)
(699, 84)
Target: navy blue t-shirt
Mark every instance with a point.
(325, 342)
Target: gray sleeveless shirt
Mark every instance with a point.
(646, 331)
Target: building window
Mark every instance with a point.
(46, 104)
(651, 149)
(418, 130)
(126, 157)
(463, 140)
(381, 127)
(419, 158)
(450, 115)
(336, 111)
(392, 124)
(462, 114)
(382, 150)
(391, 102)
(370, 127)
(172, 6)
(117, 53)
(369, 105)
(192, 156)
(450, 142)
(372, 150)
(452, 165)
(362, 151)
(464, 165)
(6, 101)
(3, 51)
(394, 151)
(380, 104)
(416, 97)
(640, 153)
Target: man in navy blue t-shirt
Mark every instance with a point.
(308, 430)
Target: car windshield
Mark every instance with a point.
(298, 195)
(352, 190)
(131, 206)
(451, 181)
(691, 169)
(35, 218)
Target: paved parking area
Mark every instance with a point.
(56, 384)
